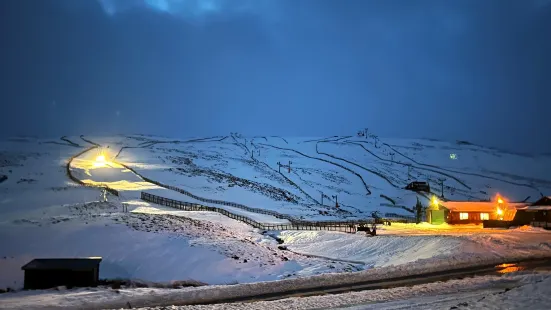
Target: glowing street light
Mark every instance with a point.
(499, 200)
(101, 160)
(435, 202)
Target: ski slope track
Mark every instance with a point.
(464, 173)
(365, 176)
(281, 186)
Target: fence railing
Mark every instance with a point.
(348, 227)
(240, 206)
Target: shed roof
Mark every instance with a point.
(479, 206)
(535, 208)
(543, 201)
(85, 263)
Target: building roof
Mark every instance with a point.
(543, 201)
(85, 263)
(478, 206)
(535, 208)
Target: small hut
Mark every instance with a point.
(541, 211)
(43, 273)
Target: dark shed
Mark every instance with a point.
(542, 208)
(43, 273)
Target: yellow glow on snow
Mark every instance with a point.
(124, 185)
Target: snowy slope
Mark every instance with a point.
(42, 213)
(358, 171)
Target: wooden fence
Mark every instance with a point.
(348, 227)
(240, 206)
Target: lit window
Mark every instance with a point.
(463, 216)
(484, 216)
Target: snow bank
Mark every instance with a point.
(110, 299)
(376, 251)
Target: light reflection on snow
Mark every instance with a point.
(509, 268)
(124, 185)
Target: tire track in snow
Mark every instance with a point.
(353, 163)
(147, 144)
(64, 138)
(88, 141)
(270, 168)
(208, 139)
(324, 160)
(281, 139)
(404, 164)
(464, 173)
(243, 207)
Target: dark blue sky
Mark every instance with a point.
(466, 69)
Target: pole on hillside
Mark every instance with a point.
(441, 180)
(336, 201)
(289, 167)
(322, 198)
(279, 166)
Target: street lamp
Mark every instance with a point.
(100, 158)
(434, 201)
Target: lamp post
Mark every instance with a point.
(441, 180)
(336, 201)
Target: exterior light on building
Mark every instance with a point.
(499, 200)
(435, 202)
(499, 214)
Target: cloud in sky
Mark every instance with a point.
(194, 10)
(426, 68)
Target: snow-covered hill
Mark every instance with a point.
(365, 175)
(44, 214)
